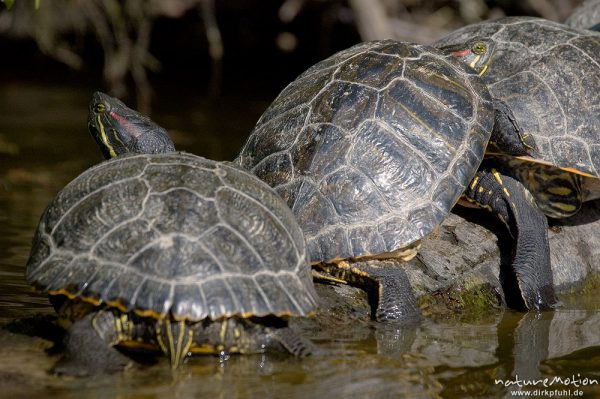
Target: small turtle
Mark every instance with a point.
(168, 251)
(549, 76)
(372, 147)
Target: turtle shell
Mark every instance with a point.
(173, 234)
(549, 75)
(373, 146)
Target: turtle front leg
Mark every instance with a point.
(89, 347)
(389, 289)
(508, 199)
(507, 136)
(395, 296)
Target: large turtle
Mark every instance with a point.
(372, 147)
(168, 250)
(549, 76)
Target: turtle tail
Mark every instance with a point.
(175, 338)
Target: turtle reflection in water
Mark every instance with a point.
(168, 251)
(372, 147)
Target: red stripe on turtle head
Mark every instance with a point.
(460, 53)
(128, 126)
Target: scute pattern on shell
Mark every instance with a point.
(174, 233)
(373, 146)
(549, 74)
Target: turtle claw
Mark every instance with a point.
(546, 301)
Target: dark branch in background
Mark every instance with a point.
(215, 43)
(372, 20)
(123, 28)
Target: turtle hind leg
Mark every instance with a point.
(390, 293)
(509, 200)
(558, 193)
(507, 137)
(89, 347)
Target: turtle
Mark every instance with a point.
(169, 252)
(373, 146)
(549, 76)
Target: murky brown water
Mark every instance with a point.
(44, 143)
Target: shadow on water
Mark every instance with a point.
(44, 144)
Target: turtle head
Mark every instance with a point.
(477, 53)
(119, 130)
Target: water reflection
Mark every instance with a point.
(521, 347)
(436, 359)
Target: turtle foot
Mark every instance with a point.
(395, 298)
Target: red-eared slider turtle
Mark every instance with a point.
(372, 147)
(549, 76)
(171, 251)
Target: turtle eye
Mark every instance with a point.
(99, 108)
(479, 48)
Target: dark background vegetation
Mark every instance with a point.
(228, 57)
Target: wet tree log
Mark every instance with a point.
(463, 266)
(466, 261)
